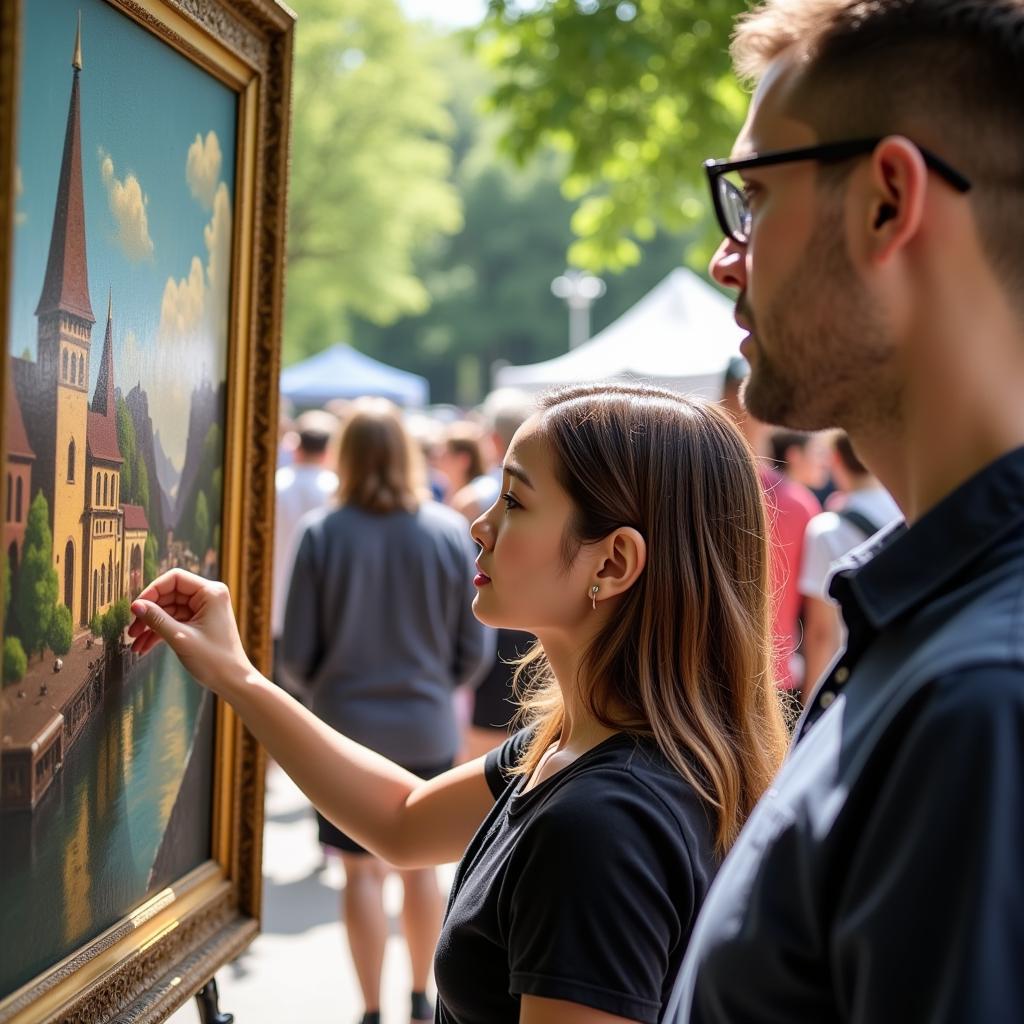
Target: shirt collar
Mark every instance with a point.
(900, 567)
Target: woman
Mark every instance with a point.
(630, 541)
(460, 456)
(378, 630)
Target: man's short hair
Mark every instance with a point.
(782, 440)
(315, 429)
(847, 456)
(506, 410)
(948, 74)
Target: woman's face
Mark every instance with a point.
(522, 582)
(454, 465)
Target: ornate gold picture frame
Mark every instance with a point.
(139, 431)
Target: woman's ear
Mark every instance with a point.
(622, 557)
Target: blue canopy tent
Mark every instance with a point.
(342, 372)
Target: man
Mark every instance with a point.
(865, 507)
(882, 282)
(789, 509)
(802, 458)
(304, 485)
(504, 412)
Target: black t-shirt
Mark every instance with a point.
(585, 888)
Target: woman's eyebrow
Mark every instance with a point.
(513, 470)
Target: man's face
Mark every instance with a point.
(815, 342)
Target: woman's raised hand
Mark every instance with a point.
(194, 617)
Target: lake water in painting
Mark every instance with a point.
(70, 867)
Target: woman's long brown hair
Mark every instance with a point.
(687, 657)
(379, 468)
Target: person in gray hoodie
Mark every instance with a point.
(379, 629)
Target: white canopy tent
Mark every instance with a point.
(680, 335)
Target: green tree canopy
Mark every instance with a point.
(60, 633)
(491, 281)
(149, 560)
(134, 475)
(15, 662)
(637, 93)
(38, 586)
(114, 620)
(369, 172)
(201, 531)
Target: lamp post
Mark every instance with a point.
(580, 290)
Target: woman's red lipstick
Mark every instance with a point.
(481, 579)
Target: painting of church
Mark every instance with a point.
(114, 413)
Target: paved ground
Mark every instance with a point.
(299, 968)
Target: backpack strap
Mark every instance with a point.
(859, 520)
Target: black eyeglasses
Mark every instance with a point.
(733, 209)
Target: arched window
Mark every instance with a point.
(81, 371)
(10, 496)
(69, 574)
(71, 461)
(74, 367)
(104, 488)
(115, 489)
(103, 582)
(17, 501)
(95, 581)
(110, 576)
(96, 496)
(64, 366)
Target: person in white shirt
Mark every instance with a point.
(865, 508)
(301, 487)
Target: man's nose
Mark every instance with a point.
(729, 265)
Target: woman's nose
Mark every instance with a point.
(482, 532)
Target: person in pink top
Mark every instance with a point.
(790, 507)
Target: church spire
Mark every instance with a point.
(66, 285)
(76, 60)
(103, 398)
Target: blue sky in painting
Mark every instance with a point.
(158, 224)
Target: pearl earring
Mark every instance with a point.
(593, 596)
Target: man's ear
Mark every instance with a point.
(621, 558)
(899, 185)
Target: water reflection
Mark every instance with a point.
(82, 859)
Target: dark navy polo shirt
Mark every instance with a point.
(881, 878)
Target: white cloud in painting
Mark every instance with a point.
(192, 336)
(202, 168)
(181, 310)
(128, 205)
(217, 236)
(19, 215)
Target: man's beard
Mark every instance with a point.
(819, 348)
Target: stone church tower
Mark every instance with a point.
(54, 391)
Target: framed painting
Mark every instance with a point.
(143, 165)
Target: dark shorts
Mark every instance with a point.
(336, 839)
(494, 706)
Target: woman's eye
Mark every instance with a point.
(510, 501)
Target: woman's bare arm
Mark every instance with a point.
(394, 814)
(538, 1010)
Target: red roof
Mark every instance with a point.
(66, 285)
(17, 438)
(101, 437)
(135, 517)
